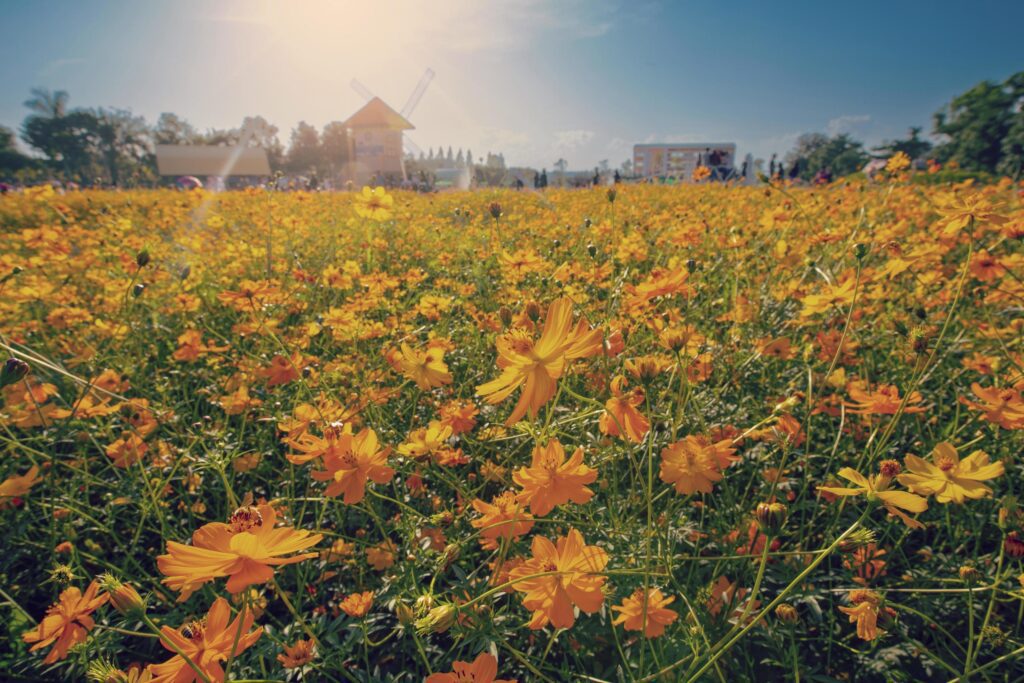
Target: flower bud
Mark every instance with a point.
(404, 613)
(770, 517)
(13, 371)
(495, 209)
(860, 250)
(691, 265)
(123, 596)
(611, 195)
(533, 311)
(138, 289)
(142, 258)
(505, 315)
(438, 620)
(592, 250)
(787, 614)
(969, 574)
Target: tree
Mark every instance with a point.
(11, 159)
(123, 144)
(67, 142)
(469, 158)
(1011, 161)
(334, 144)
(813, 152)
(173, 130)
(913, 146)
(304, 151)
(976, 122)
(50, 105)
(263, 134)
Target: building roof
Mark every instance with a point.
(376, 114)
(211, 160)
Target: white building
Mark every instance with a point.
(678, 160)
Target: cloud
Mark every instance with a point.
(846, 123)
(571, 139)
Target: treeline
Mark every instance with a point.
(980, 132)
(115, 147)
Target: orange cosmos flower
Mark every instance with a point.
(569, 578)
(884, 400)
(536, 365)
(127, 450)
(426, 368)
(864, 613)
(244, 550)
(694, 463)
(299, 654)
(348, 470)
(381, 556)
(483, 670)
(1004, 407)
(503, 517)
(551, 480)
(461, 417)
(645, 613)
(207, 642)
(357, 604)
(15, 486)
(621, 415)
(282, 369)
(66, 622)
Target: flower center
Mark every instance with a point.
(945, 463)
(245, 519)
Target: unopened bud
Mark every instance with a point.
(138, 289)
(592, 250)
(505, 315)
(495, 209)
(533, 311)
(770, 517)
(611, 195)
(142, 258)
(404, 613)
(787, 614)
(13, 371)
(860, 250)
(123, 596)
(691, 265)
(969, 574)
(438, 620)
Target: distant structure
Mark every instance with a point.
(678, 160)
(216, 162)
(376, 136)
(376, 141)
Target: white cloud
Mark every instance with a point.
(571, 139)
(846, 123)
(58, 64)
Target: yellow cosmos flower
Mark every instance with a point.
(374, 204)
(950, 478)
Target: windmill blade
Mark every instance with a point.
(411, 147)
(362, 89)
(414, 98)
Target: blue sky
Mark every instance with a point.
(538, 80)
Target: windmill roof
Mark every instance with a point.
(377, 114)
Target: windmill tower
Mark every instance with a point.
(377, 134)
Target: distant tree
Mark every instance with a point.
(68, 143)
(50, 105)
(913, 146)
(458, 158)
(11, 159)
(263, 134)
(449, 158)
(603, 165)
(124, 145)
(814, 151)
(1011, 162)
(334, 144)
(976, 122)
(469, 157)
(304, 152)
(173, 130)
(627, 167)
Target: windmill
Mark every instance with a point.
(377, 134)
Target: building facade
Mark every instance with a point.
(679, 160)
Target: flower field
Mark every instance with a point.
(702, 432)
